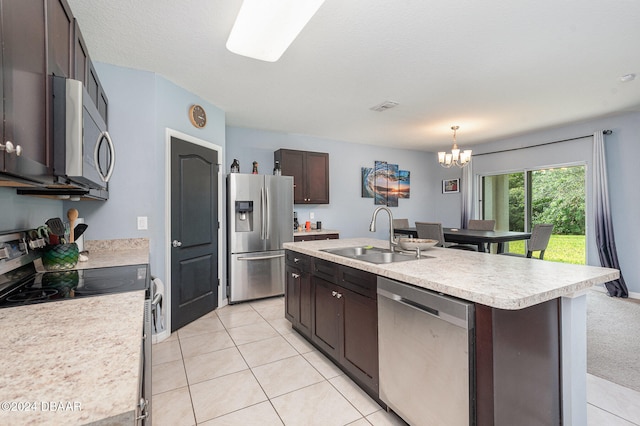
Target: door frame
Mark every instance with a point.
(169, 133)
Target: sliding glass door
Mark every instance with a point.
(519, 200)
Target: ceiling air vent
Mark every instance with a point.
(384, 106)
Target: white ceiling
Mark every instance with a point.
(496, 68)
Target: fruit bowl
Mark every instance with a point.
(416, 243)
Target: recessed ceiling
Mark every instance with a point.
(494, 68)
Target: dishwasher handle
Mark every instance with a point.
(411, 304)
(454, 311)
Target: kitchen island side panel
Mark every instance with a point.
(518, 365)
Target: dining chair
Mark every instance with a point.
(431, 231)
(482, 225)
(540, 236)
(400, 223)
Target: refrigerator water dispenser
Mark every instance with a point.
(244, 216)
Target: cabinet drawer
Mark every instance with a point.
(299, 260)
(315, 237)
(325, 270)
(328, 237)
(358, 281)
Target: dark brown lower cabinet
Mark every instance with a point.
(345, 324)
(298, 292)
(328, 324)
(335, 307)
(360, 337)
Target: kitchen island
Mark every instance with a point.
(526, 311)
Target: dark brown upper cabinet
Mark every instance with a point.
(96, 91)
(80, 55)
(38, 39)
(60, 32)
(310, 171)
(25, 140)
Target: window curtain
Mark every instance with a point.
(603, 224)
(467, 194)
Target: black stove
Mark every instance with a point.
(21, 284)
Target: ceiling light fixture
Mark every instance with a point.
(264, 29)
(627, 77)
(384, 106)
(456, 157)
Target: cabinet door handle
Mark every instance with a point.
(296, 260)
(334, 293)
(339, 295)
(294, 275)
(8, 146)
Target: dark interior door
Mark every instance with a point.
(194, 232)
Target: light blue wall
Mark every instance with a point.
(141, 106)
(19, 212)
(348, 212)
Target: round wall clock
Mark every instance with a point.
(197, 116)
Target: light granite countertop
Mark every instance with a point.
(503, 282)
(122, 252)
(72, 361)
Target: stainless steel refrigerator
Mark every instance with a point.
(259, 220)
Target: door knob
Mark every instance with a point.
(176, 243)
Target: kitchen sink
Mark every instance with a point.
(372, 254)
(354, 251)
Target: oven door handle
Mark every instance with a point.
(156, 300)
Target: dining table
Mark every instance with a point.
(481, 239)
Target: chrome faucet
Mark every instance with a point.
(372, 226)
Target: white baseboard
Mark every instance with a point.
(159, 337)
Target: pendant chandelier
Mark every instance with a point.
(456, 157)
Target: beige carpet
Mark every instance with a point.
(613, 339)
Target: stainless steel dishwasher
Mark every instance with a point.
(426, 348)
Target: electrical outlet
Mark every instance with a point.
(312, 215)
(142, 223)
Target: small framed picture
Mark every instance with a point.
(450, 186)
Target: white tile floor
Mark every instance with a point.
(244, 365)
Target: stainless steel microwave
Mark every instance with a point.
(83, 152)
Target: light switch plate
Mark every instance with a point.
(312, 215)
(142, 223)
